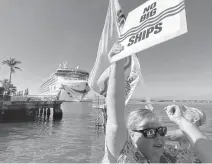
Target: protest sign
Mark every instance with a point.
(152, 23)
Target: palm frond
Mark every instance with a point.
(14, 63)
(17, 68)
(18, 62)
(6, 62)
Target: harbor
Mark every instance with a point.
(64, 85)
(64, 97)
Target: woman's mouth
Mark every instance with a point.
(158, 145)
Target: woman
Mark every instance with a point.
(143, 139)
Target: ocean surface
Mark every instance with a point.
(74, 139)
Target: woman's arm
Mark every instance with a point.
(191, 131)
(200, 142)
(116, 132)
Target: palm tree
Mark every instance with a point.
(12, 63)
(8, 87)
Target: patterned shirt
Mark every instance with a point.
(130, 154)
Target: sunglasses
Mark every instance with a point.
(152, 132)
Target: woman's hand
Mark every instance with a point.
(117, 48)
(174, 113)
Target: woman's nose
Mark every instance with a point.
(159, 137)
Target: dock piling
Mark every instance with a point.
(41, 111)
(48, 112)
(44, 114)
(57, 113)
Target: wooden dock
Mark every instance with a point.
(28, 108)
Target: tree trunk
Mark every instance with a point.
(10, 75)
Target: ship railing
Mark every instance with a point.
(99, 105)
(35, 98)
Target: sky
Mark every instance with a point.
(44, 33)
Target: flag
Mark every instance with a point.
(99, 76)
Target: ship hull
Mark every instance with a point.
(74, 91)
(69, 91)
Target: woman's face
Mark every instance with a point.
(151, 148)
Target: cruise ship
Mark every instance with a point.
(66, 84)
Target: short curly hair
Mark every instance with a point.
(136, 116)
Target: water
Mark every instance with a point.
(74, 139)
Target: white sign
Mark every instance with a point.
(153, 22)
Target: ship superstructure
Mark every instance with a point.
(67, 84)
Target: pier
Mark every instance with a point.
(28, 108)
